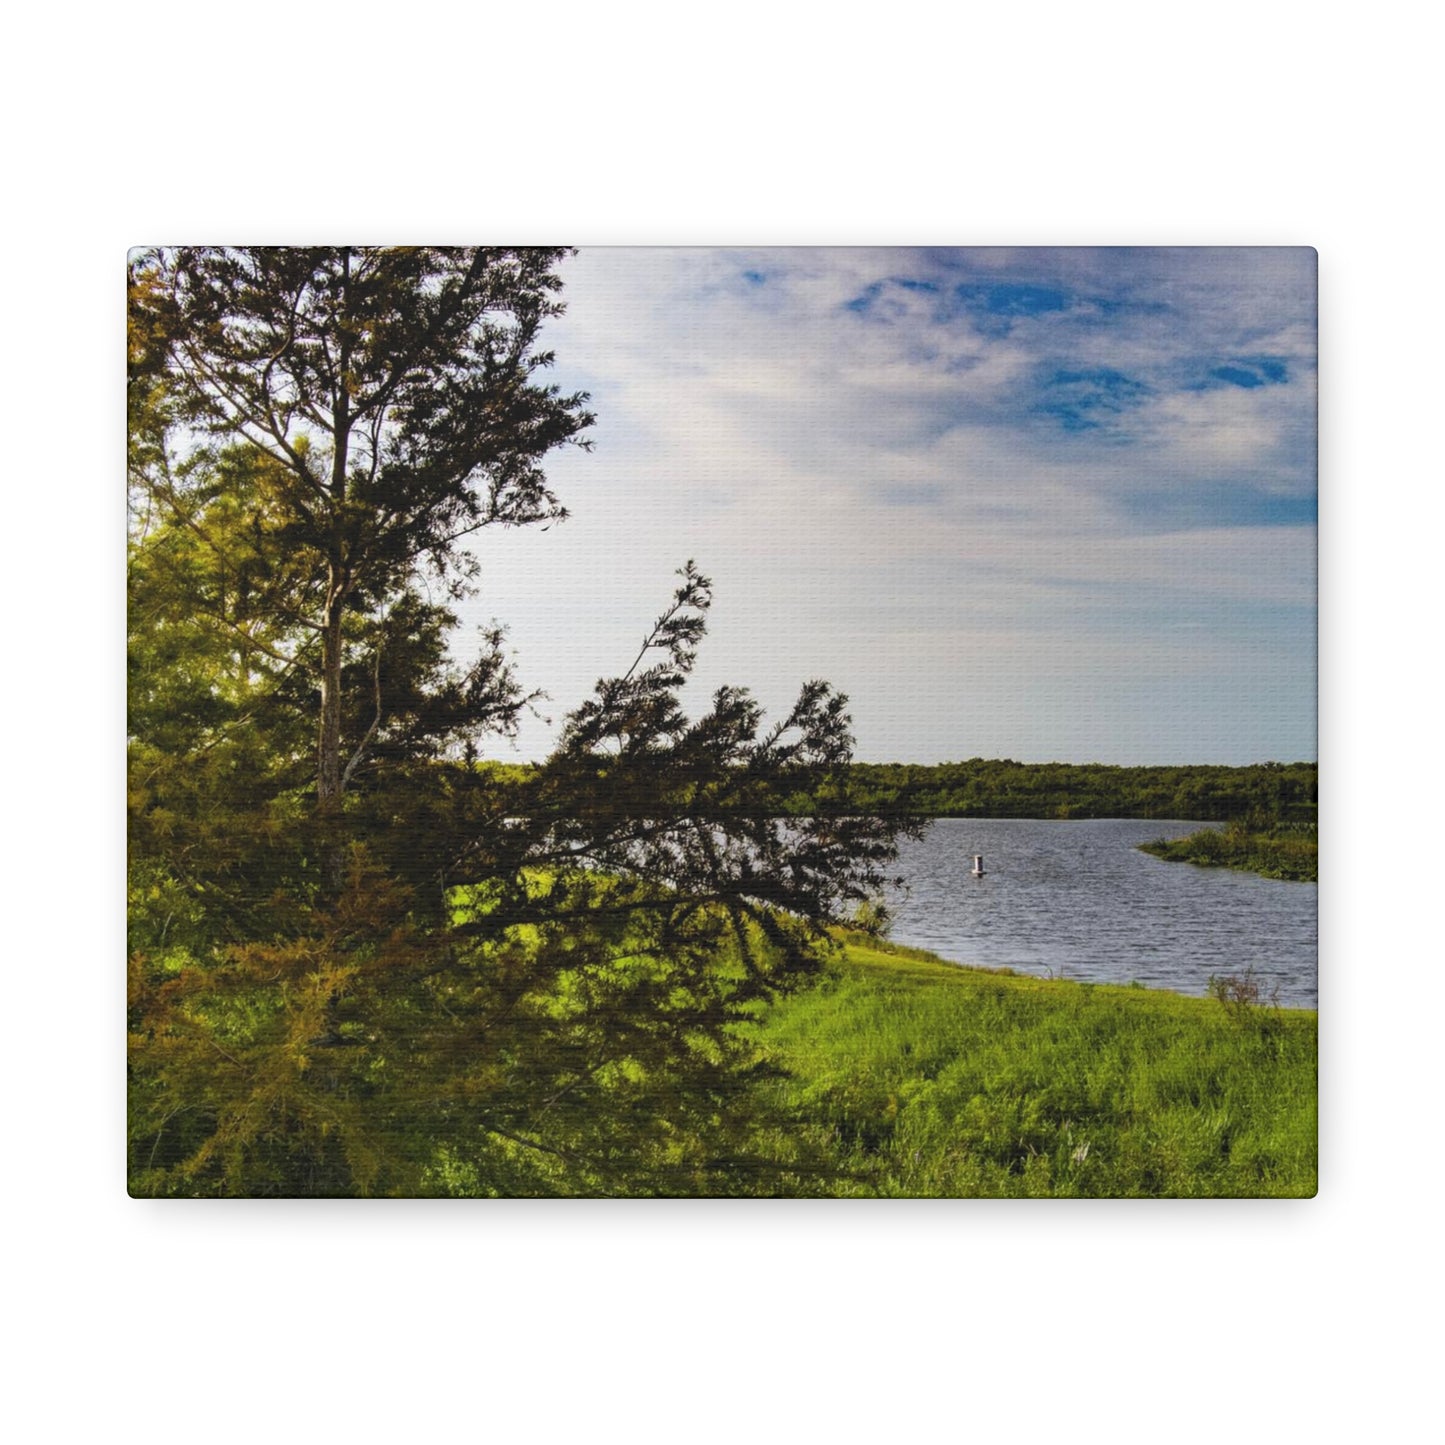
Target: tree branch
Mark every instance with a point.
(361, 747)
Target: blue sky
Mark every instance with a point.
(1048, 504)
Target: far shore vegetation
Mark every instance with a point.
(1002, 788)
(1277, 850)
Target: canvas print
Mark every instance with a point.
(750, 722)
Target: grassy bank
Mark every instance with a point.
(919, 1078)
(1289, 851)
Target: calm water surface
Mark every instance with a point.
(1079, 900)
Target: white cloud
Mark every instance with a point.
(864, 493)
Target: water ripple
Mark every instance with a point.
(1078, 900)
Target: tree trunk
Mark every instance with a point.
(328, 745)
(328, 750)
(329, 780)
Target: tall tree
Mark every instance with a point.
(360, 962)
(396, 392)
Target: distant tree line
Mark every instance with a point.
(1001, 788)
(1260, 794)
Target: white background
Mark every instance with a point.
(1128, 123)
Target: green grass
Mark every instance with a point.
(1287, 850)
(919, 1078)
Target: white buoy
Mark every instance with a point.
(978, 865)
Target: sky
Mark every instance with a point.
(1043, 504)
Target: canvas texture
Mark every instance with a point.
(739, 722)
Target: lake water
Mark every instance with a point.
(1079, 900)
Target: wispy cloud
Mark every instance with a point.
(948, 476)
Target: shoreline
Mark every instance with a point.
(857, 945)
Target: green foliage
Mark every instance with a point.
(385, 402)
(1001, 788)
(1263, 795)
(528, 982)
(919, 1078)
(873, 917)
(1283, 850)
